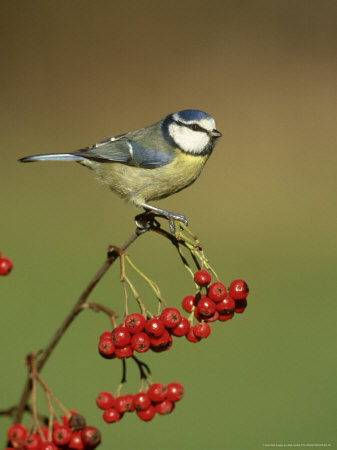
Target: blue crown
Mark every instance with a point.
(193, 114)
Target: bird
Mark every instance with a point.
(151, 163)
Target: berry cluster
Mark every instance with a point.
(72, 433)
(158, 399)
(5, 265)
(140, 334)
(216, 304)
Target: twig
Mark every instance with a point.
(99, 307)
(141, 365)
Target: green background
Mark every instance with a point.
(76, 72)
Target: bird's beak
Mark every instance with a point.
(215, 133)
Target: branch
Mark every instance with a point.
(77, 308)
(145, 222)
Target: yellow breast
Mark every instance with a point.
(139, 185)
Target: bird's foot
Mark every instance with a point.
(173, 218)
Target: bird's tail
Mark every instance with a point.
(53, 157)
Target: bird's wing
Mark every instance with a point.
(131, 149)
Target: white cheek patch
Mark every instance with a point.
(188, 140)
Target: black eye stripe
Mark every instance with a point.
(191, 126)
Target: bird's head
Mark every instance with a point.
(191, 130)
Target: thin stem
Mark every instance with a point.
(125, 280)
(118, 390)
(99, 307)
(51, 414)
(122, 279)
(34, 408)
(151, 283)
(126, 298)
(59, 404)
(123, 380)
(191, 243)
(48, 394)
(141, 365)
(175, 242)
(136, 295)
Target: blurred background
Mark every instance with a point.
(76, 72)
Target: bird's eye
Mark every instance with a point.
(196, 127)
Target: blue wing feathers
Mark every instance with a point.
(127, 151)
(147, 148)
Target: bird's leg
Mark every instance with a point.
(170, 216)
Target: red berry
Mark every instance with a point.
(157, 392)
(106, 335)
(164, 407)
(105, 400)
(141, 401)
(135, 323)
(217, 291)
(56, 425)
(121, 337)
(111, 415)
(124, 352)
(211, 318)
(147, 414)
(5, 266)
(61, 435)
(190, 336)
(170, 317)
(188, 303)
(225, 317)
(175, 392)
(161, 343)
(106, 348)
(91, 437)
(76, 441)
(240, 305)
(161, 347)
(206, 307)
(201, 330)
(48, 446)
(226, 305)
(202, 278)
(16, 433)
(154, 327)
(33, 442)
(140, 342)
(238, 289)
(182, 328)
(124, 403)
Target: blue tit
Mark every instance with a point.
(151, 163)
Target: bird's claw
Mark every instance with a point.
(176, 218)
(173, 218)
